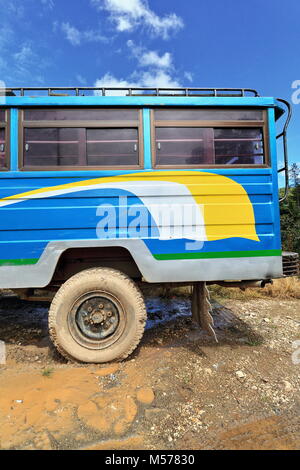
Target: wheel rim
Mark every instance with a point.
(96, 320)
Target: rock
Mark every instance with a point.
(145, 395)
(107, 370)
(153, 412)
(288, 387)
(240, 374)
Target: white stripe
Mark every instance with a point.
(161, 199)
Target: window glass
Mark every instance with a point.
(208, 114)
(110, 147)
(52, 146)
(197, 146)
(2, 148)
(59, 146)
(83, 114)
(240, 146)
(183, 146)
(2, 115)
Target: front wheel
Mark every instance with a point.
(98, 315)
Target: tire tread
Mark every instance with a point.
(141, 313)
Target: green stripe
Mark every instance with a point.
(18, 262)
(171, 256)
(218, 254)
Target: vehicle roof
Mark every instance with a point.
(138, 97)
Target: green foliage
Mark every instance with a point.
(47, 372)
(290, 218)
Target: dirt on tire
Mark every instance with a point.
(109, 282)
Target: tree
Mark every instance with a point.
(290, 220)
(294, 172)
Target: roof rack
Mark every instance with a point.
(131, 91)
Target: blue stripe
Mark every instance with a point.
(273, 155)
(79, 175)
(147, 139)
(136, 101)
(14, 139)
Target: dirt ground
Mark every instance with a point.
(179, 390)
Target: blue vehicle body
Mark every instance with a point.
(45, 213)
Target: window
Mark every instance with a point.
(56, 146)
(84, 114)
(208, 114)
(238, 146)
(112, 147)
(206, 137)
(3, 141)
(183, 146)
(77, 138)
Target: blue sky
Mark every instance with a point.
(225, 43)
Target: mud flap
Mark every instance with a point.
(201, 309)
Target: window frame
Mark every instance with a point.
(262, 124)
(138, 124)
(6, 126)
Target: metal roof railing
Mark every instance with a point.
(130, 91)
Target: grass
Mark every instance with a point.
(254, 342)
(285, 288)
(47, 372)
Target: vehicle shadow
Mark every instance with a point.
(24, 324)
(176, 327)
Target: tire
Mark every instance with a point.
(97, 316)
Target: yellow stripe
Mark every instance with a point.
(228, 211)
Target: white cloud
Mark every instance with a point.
(14, 9)
(127, 15)
(22, 65)
(76, 37)
(73, 35)
(188, 76)
(152, 78)
(21, 61)
(152, 58)
(48, 3)
(81, 80)
(109, 81)
(6, 36)
(24, 56)
(148, 58)
(159, 78)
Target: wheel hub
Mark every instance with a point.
(97, 318)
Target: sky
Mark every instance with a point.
(197, 43)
